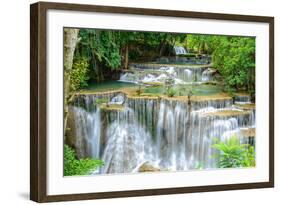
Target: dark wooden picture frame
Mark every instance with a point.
(38, 101)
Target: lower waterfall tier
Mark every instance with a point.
(129, 134)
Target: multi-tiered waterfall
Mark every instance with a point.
(182, 74)
(166, 133)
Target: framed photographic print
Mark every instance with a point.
(134, 102)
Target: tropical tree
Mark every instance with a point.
(234, 57)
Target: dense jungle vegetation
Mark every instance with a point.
(100, 55)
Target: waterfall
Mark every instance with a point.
(207, 75)
(128, 77)
(187, 76)
(127, 144)
(167, 133)
(88, 132)
(118, 99)
(179, 50)
(190, 74)
(242, 99)
(181, 75)
(171, 134)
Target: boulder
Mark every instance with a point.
(147, 167)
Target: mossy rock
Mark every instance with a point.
(146, 167)
(153, 83)
(248, 106)
(219, 96)
(250, 132)
(111, 107)
(226, 113)
(212, 83)
(150, 95)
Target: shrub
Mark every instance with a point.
(101, 101)
(171, 92)
(73, 166)
(233, 154)
(139, 91)
(79, 74)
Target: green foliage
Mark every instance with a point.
(234, 57)
(79, 74)
(199, 166)
(101, 46)
(73, 166)
(101, 49)
(139, 91)
(108, 50)
(235, 60)
(99, 101)
(233, 154)
(202, 44)
(171, 92)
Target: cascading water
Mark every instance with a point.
(88, 132)
(187, 76)
(172, 134)
(166, 133)
(179, 50)
(169, 134)
(242, 99)
(128, 144)
(207, 75)
(181, 75)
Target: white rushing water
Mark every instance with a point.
(167, 134)
(88, 132)
(128, 144)
(207, 75)
(179, 50)
(180, 75)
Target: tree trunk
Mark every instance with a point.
(70, 41)
(126, 57)
(162, 46)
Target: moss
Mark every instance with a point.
(143, 97)
(227, 113)
(111, 107)
(220, 96)
(146, 167)
(153, 83)
(150, 95)
(249, 106)
(176, 98)
(131, 93)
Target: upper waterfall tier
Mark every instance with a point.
(181, 74)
